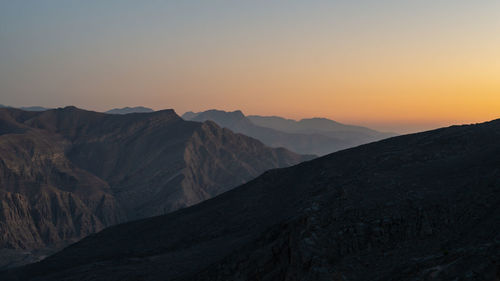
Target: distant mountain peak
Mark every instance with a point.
(188, 115)
(128, 110)
(319, 119)
(232, 114)
(70, 108)
(228, 119)
(27, 108)
(164, 114)
(316, 135)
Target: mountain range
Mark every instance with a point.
(67, 173)
(317, 136)
(415, 207)
(127, 110)
(314, 136)
(27, 108)
(124, 110)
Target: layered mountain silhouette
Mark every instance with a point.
(27, 108)
(322, 126)
(318, 136)
(416, 207)
(127, 110)
(67, 173)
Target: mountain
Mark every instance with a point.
(415, 207)
(319, 126)
(127, 110)
(354, 135)
(300, 143)
(189, 115)
(27, 108)
(34, 108)
(301, 137)
(227, 119)
(67, 173)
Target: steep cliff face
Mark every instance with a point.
(67, 173)
(416, 207)
(140, 156)
(213, 155)
(45, 200)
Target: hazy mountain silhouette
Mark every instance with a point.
(319, 126)
(416, 207)
(190, 115)
(309, 136)
(66, 173)
(27, 108)
(34, 108)
(127, 110)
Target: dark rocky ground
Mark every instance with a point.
(416, 207)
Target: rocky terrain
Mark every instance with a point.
(67, 173)
(317, 136)
(415, 207)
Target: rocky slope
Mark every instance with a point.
(415, 207)
(67, 173)
(309, 136)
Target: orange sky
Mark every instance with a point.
(389, 65)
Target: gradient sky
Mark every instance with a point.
(392, 65)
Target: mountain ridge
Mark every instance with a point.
(67, 173)
(129, 110)
(314, 124)
(305, 136)
(398, 209)
(27, 108)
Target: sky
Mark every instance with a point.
(399, 66)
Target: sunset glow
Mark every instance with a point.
(389, 65)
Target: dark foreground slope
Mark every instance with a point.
(67, 173)
(415, 207)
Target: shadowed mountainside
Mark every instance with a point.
(66, 173)
(309, 136)
(416, 207)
